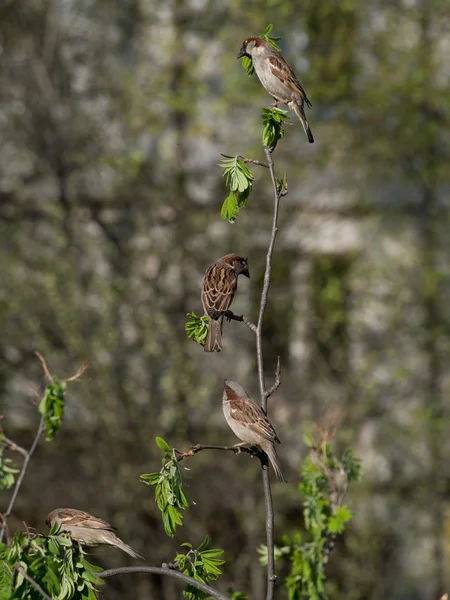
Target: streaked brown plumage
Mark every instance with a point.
(88, 530)
(249, 423)
(218, 289)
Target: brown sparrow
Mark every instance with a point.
(218, 289)
(277, 77)
(88, 530)
(248, 421)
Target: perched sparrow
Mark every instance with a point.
(277, 77)
(218, 289)
(247, 420)
(88, 530)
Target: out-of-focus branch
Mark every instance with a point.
(19, 569)
(27, 456)
(164, 571)
(277, 382)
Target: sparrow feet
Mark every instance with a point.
(237, 447)
(279, 102)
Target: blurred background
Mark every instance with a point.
(113, 116)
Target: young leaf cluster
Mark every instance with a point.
(247, 62)
(55, 563)
(201, 564)
(239, 180)
(171, 498)
(197, 328)
(273, 130)
(51, 407)
(7, 471)
(324, 481)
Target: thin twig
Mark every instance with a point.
(164, 571)
(78, 374)
(277, 383)
(255, 162)
(5, 525)
(252, 450)
(14, 447)
(18, 567)
(242, 318)
(44, 366)
(26, 461)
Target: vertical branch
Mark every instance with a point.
(271, 577)
(19, 481)
(266, 284)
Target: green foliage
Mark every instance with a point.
(247, 62)
(56, 563)
(7, 471)
(239, 180)
(201, 564)
(52, 407)
(273, 130)
(238, 596)
(170, 495)
(197, 328)
(325, 478)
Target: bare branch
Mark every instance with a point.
(237, 449)
(277, 383)
(18, 567)
(15, 447)
(19, 481)
(44, 366)
(255, 162)
(232, 317)
(79, 373)
(164, 571)
(266, 284)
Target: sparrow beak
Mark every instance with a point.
(241, 52)
(246, 272)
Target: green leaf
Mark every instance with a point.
(273, 130)
(7, 471)
(197, 328)
(230, 208)
(163, 445)
(239, 180)
(51, 407)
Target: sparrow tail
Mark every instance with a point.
(126, 548)
(300, 112)
(275, 462)
(214, 340)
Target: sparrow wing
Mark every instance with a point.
(79, 518)
(218, 289)
(249, 414)
(286, 75)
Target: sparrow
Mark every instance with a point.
(88, 530)
(277, 77)
(248, 421)
(218, 289)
